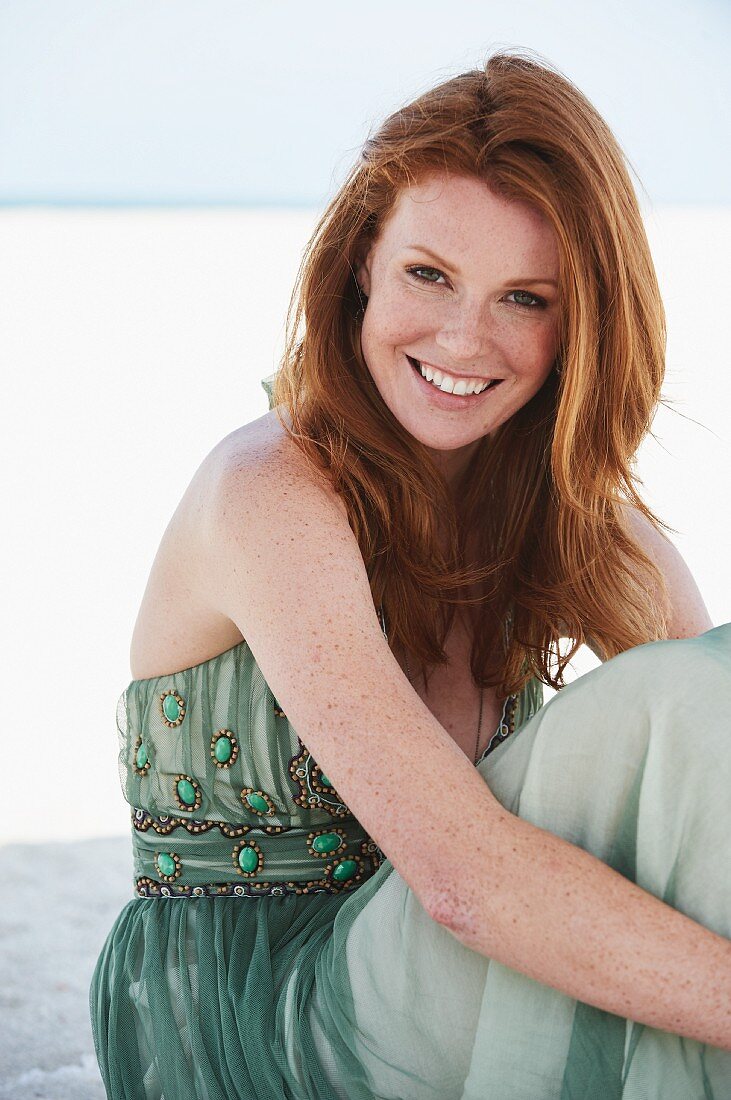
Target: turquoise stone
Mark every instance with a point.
(324, 780)
(345, 870)
(223, 749)
(258, 803)
(248, 859)
(171, 708)
(186, 791)
(166, 863)
(141, 758)
(327, 842)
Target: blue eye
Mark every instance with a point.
(539, 303)
(420, 267)
(536, 303)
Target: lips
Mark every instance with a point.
(417, 367)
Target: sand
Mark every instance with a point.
(63, 899)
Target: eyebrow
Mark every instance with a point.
(524, 280)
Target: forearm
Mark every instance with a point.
(542, 906)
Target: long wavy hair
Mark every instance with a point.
(545, 495)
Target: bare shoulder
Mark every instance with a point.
(688, 612)
(266, 501)
(240, 488)
(264, 495)
(263, 456)
(274, 531)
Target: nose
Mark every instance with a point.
(463, 333)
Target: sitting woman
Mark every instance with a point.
(368, 861)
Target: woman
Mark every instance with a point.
(332, 900)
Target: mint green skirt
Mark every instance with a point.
(351, 991)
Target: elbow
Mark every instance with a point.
(456, 916)
(438, 910)
(448, 910)
(478, 909)
(474, 896)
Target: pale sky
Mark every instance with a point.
(268, 101)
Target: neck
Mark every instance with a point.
(452, 465)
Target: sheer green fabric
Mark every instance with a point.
(271, 950)
(352, 990)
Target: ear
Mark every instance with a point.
(362, 269)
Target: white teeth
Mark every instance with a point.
(447, 384)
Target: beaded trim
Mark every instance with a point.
(314, 792)
(234, 748)
(146, 766)
(163, 824)
(254, 792)
(150, 888)
(506, 726)
(252, 846)
(366, 862)
(311, 838)
(196, 790)
(181, 707)
(178, 866)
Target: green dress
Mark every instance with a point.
(270, 949)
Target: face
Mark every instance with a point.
(462, 287)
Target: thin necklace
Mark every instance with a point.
(479, 721)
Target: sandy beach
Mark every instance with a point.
(63, 898)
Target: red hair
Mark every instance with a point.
(544, 496)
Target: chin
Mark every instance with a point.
(445, 440)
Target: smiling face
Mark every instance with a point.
(464, 283)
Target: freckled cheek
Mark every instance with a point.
(391, 325)
(532, 357)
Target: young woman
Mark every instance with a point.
(355, 603)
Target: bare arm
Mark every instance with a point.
(593, 934)
(286, 568)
